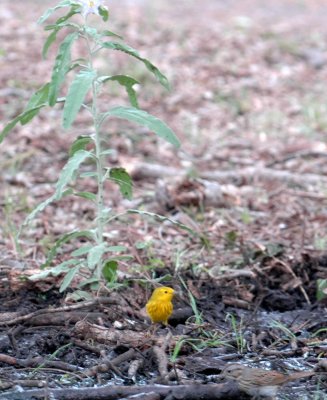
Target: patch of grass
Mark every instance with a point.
(288, 336)
(206, 340)
(237, 331)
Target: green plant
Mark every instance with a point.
(197, 314)
(96, 259)
(321, 289)
(237, 329)
(288, 336)
(206, 340)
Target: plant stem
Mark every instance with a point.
(99, 162)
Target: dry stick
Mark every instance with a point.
(113, 336)
(226, 391)
(73, 307)
(289, 269)
(144, 396)
(134, 366)
(145, 170)
(37, 362)
(107, 364)
(161, 356)
(26, 317)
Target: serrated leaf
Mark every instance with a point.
(80, 144)
(76, 94)
(65, 177)
(161, 218)
(143, 118)
(61, 67)
(132, 52)
(86, 195)
(128, 82)
(123, 180)
(95, 255)
(68, 278)
(109, 271)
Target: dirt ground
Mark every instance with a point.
(249, 104)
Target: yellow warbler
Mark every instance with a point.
(159, 307)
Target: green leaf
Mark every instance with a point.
(126, 81)
(79, 295)
(106, 152)
(60, 21)
(51, 39)
(82, 250)
(25, 116)
(69, 169)
(109, 271)
(103, 11)
(65, 177)
(80, 144)
(56, 27)
(161, 218)
(321, 289)
(61, 67)
(86, 195)
(110, 33)
(88, 174)
(124, 181)
(55, 271)
(76, 94)
(68, 278)
(6, 130)
(132, 52)
(143, 118)
(39, 98)
(89, 281)
(50, 11)
(62, 240)
(95, 254)
(116, 248)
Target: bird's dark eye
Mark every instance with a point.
(166, 291)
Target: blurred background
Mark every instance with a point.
(248, 91)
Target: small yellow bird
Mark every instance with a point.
(159, 307)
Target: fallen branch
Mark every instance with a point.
(145, 171)
(113, 336)
(226, 391)
(9, 319)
